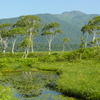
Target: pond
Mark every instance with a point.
(31, 85)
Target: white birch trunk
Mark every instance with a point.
(49, 46)
(32, 50)
(13, 45)
(25, 53)
(94, 35)
(5, 44)
(31, 37)
(86, 39)
(63, 47)
(49, 41)
(4, 51)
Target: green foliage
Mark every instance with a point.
(92, 27)
(27, 42)
(17, 64)
(78, 70)
(71, 24)
(3, 65)
(5, 25)
(4, 30)
(17, 30)
(66, 39)
(80, 80)
(82, 45)
(51, 26)
(51, 29)
(5, 33)
(6, 93)
(48, 58)
(30, 22)
(85, 29)
(82, 53)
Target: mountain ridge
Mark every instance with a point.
(71, 24)
(73, 11)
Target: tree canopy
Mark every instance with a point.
(93, 27)
(50, 30)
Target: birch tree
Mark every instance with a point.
(31, 24)
(49, 31)
(86, 30)
(4, 35)
(93, 27)
(15, 34)
(65, 40)
(26, 43)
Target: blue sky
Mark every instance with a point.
(16, 8)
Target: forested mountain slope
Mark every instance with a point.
(76, 17)
(71, 24)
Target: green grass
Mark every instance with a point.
(15, 64)
(80, 80)
(79, 71)
(6, 93)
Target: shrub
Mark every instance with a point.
(6, 94)
(3, 65)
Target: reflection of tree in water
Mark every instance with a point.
(28, 84)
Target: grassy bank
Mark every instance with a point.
(6, 93)
(80, 80)
(79, 71)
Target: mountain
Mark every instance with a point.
(71, 24)
(9, 20)
(76, 17)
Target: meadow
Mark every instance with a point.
(78, 71)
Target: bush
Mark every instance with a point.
(6, 94)
(48, 58)
(3, 65)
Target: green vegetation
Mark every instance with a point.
(92, 27)
(50, 30)
(80, 80)
(6, 93)
(65, 40)
(78, 71)
(71, 24)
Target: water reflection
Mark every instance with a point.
(29, 84)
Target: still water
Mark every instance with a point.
(32, 85)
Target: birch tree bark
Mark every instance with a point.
(50, 30)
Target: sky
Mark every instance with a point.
(16, 8)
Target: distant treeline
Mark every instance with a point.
(44, 47)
